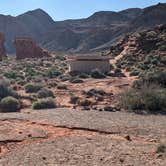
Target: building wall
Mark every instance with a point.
(88, 66)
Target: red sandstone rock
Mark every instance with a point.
(27, 48)
(2, 47)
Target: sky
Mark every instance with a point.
(71, 9)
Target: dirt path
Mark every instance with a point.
(117, 58)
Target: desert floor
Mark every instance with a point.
(77, 138)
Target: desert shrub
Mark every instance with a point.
(117, 70)
(97, 74)
(9, 104)
(163, 48)
(44, 104)
(83, 75)
(163, 60)
(131, 100)
(44, 93)
(151, 34)
(52, 84)
(134, 72)
(53, 73)
(157, 77)
(32, 88)
(74, 99)
(30, 71)
(85, 103)
(146, 98)
(5, 90)
(60, 57)
(94, 92)
(11, 75)
(76, 81)
(62, 87)
(161, 148)
(64, 77)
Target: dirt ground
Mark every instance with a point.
(78, 138)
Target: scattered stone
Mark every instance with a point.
(127, 137)
(121, 160)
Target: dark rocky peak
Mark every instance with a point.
(107, 17)
(132, 12)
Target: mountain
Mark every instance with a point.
(30, 24)
(153, 15)
(96, 32)
(102, 29)
(132, 13)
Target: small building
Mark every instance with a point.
(87, 63)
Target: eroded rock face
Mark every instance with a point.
(2, 47)
(27, 48)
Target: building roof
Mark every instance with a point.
(88, 57)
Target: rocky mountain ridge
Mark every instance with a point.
(96, 32)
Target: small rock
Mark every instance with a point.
(127, 137)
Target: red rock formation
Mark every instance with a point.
(27, 48)
(2, 47)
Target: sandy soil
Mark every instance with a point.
(71, 138)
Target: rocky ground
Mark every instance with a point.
(71, 138)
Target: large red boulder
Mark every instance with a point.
(2, 47)
(27, 48)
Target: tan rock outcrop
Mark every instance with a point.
(2, 47)
(27, 48)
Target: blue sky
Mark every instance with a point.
(70, 9)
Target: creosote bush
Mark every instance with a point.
(47, 103)
(146, 98)
(97, 74)
(32, 88)
(9, 104)
(5, 90)
(44, 93)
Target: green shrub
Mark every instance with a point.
(32, 88)
(94, 92)
(146, 98)
(97, 74)
(131, 100)
(117, 70)
(74, 99)
(9, 104)
(83, 75)
(157, 77)
(153, 100)
(44, 93)
(134, 72)
(5, 90)
(62, 87)
(44, 104)
(11, 75)
(30, 71)
(85, 103)
(53, 73)
(76, 81)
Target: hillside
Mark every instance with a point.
(96, 32)
(102, 29)
(142, 51)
